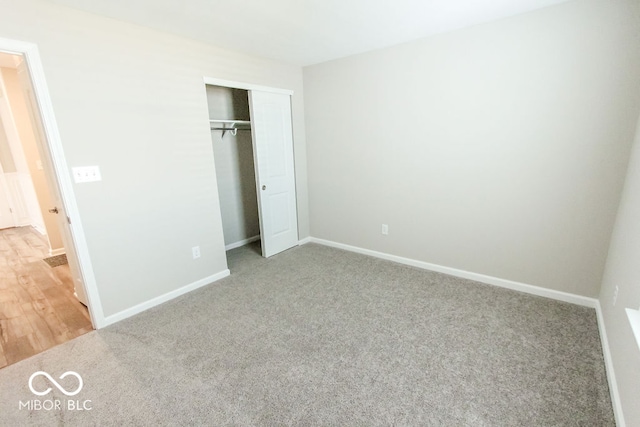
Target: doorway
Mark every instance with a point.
(252, 138)
(42, 297)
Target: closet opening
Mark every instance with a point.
(252, 137)
(235, 168)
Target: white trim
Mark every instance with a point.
(55, 252)
(496, 281)
(139, 308)
(608, 364)
(246, 86)
(54, 143)
(304, 241)
(39, 229)
(242, 243)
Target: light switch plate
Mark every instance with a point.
(86, 174)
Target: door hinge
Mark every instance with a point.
(69, 220)
(10, 210)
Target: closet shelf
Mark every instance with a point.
(231, 126)
(232, 122)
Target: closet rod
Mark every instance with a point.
(233, 131)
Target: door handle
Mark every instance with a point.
(264, 187)
(54, 210)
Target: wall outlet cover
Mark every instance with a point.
(195, 251)
(86, 174)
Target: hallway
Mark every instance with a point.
(38, 309)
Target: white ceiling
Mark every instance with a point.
(306, 32)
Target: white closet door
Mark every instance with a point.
(275, 176)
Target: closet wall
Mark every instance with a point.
(233, 156)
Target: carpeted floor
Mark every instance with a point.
(56, 260)
(318, 336)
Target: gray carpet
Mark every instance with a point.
(318, 336)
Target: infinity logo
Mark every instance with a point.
(66, 374)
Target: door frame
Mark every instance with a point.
(246, 86)
(59, 175)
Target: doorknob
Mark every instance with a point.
(264, 187)
(54, 210)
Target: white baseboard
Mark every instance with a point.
(54, 252)
(304, 241)
(608, 364)
(39, 229)
(490, 280)
(241, 243)
(163, 298)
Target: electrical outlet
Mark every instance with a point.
(196, 252)
(615, 296)
(385, 229)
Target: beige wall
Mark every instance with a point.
(623, 271)
(133, 101)
(6, 158)
(499, 149)
(234, 165)
(28, 139)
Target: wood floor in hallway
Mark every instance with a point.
(38, 309)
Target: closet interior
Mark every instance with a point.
(230, 124)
